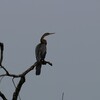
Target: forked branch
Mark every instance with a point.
(22, 78)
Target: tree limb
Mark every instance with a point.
(63, 96)
(18, 88)
(22, 78)
(5, 69)
(26, 71)
(2, 49)
(2, 96)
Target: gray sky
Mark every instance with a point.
(74, 50)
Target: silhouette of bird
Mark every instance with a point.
(1, 53)
(40, 52)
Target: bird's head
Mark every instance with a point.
(42, 40)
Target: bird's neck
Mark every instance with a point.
(43, 43)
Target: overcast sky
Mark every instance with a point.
(74, 50)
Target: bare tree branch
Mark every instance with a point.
(5, 69)
(15, 87)
(18, 88)
(22, 78)
(2, 96)
(63, 96)
(26, 71)
(1, 78)
(2, 49)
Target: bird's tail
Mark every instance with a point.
(38, 69)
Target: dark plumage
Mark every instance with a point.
(40, 52)
(40, 56)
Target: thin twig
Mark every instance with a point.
(63, 96)
(15, 87)
(5, 70)
(18, 88)
(13, 82)
(1, 78)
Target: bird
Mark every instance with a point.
(40, 52)
(1, 53)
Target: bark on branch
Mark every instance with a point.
(22, 78)
(2, 96)
(18, 88)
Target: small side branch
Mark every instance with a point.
(63, 96)
(5, 69)
(18, 88)
(2, 96)
(29, 69)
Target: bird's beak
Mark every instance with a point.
(51, 33)
(46, 34)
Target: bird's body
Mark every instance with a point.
(40, 56)
(40, 53)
